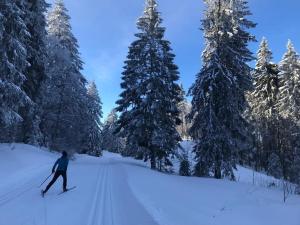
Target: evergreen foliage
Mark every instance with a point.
(148, 104)
(234, 117)
(288, 107)
(184, 169)
(184, 108)
(219, 129)
(289, 100)
(92, 144)
(65, 103)
(109, 140)
(35, 73)
(13, 63)
(263, 106)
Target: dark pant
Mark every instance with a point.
(56, 175)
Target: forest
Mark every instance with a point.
(238, 114)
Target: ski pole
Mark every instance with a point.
(45, 180)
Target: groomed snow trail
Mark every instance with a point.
(121, 191)
(102, 197)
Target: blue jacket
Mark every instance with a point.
(62, 163)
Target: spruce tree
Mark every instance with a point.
(288, 107)
(184, 108)
(148, 103)
(13, 63)
(59, 26)
(65, 100)
(219, 129)
(36, 24)
(263, 106)
(289, 101)
(93, 122)
(109, 140)
(36, 71)
(184, 169)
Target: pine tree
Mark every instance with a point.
(109, 140)
(148, 103)
(289, 101)
(36, 24)
(219, 129)
(60, 27)
(184, 108)
(93, 122)
(35, 73)
(288, 106)
(263, 106)
(64, 102)
(185, 166)
(56, 98)
(184, 169)
(13, 63)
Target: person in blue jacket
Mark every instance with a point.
(62, 166)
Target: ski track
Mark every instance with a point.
(117, 191)
(108, 207)
(27, 185)
(101, 210)
(108, 200)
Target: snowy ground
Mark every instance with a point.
(117, 191)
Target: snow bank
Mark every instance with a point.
(243, 175)
(175, 200)
(17, 161)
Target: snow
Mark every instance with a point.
(193, 201)
(243, 175)
(122, 191)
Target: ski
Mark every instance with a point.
(69, 189)
(42, 193)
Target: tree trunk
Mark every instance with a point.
(218, 172)
(153, 161)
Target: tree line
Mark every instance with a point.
(238, 114)
(45, 99)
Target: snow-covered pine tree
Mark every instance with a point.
(289, 109)
(184, 108)
(36, 71)
(36, 24)
(263, 106)
(219, 129)
(289, 101)
(184, 169)
(56, 97)
(93, 122)
(64, 103)
(148, 104)
(13, 63)
(109, 140)
(59, 26)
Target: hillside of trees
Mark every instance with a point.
(237, 114)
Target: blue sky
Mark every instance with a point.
(105, 29)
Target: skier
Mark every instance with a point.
(62, 166)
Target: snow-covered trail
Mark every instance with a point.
(102, 197)
(121, 191)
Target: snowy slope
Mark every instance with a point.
(243, 175)
(114, 190)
